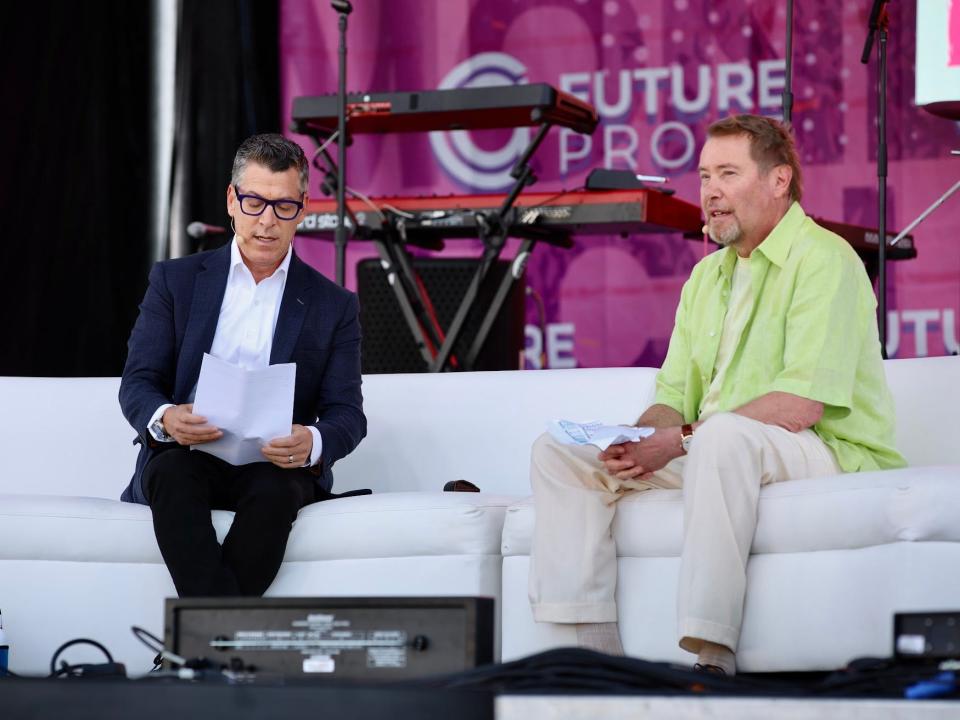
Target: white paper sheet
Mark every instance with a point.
(251, 407)
(595, 433)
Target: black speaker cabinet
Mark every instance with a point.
(388, 344)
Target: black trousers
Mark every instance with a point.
(183, 486)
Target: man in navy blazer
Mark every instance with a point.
(251, 303)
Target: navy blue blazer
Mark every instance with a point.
(318, 328)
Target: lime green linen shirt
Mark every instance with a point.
(811, 331)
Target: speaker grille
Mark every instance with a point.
(388, 345)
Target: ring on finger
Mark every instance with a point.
(290, 459)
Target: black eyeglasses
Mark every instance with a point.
(255, 205)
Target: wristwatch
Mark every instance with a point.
(160, 432)
(686, 437)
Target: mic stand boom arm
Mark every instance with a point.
(925, 213)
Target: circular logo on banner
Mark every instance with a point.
(455, 150)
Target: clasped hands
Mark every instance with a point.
(637, 460)
(291, 451)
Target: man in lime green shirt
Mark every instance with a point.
(773, 373)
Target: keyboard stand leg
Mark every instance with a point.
(419, 300)
(494, 236)
(393, 269)
(506, 285)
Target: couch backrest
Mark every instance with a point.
(926, 393)
(480, 426)
(424, 430)
(66, 436)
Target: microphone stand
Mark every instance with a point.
(343, 8)
(788, 69)
(878, 25)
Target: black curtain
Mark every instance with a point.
(75, 184)
(227, 89)
(76, 133)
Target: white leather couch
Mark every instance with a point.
(834, 557)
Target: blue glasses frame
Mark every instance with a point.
(241, 197)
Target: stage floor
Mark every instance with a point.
(553, 707)
(108, 699)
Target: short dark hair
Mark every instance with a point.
(771, 144)
(274, 152)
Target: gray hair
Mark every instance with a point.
(274, 152)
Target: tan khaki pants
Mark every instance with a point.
(573, 568)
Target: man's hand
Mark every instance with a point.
(633, 460)
(187, 428)
(292, 451)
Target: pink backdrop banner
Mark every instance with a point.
(658, 71)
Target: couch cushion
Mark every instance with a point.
(82, 529)
(845, 511)
(42, 527)
(400, 524)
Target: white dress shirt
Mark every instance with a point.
(247, 321)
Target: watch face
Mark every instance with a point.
(685, 442)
